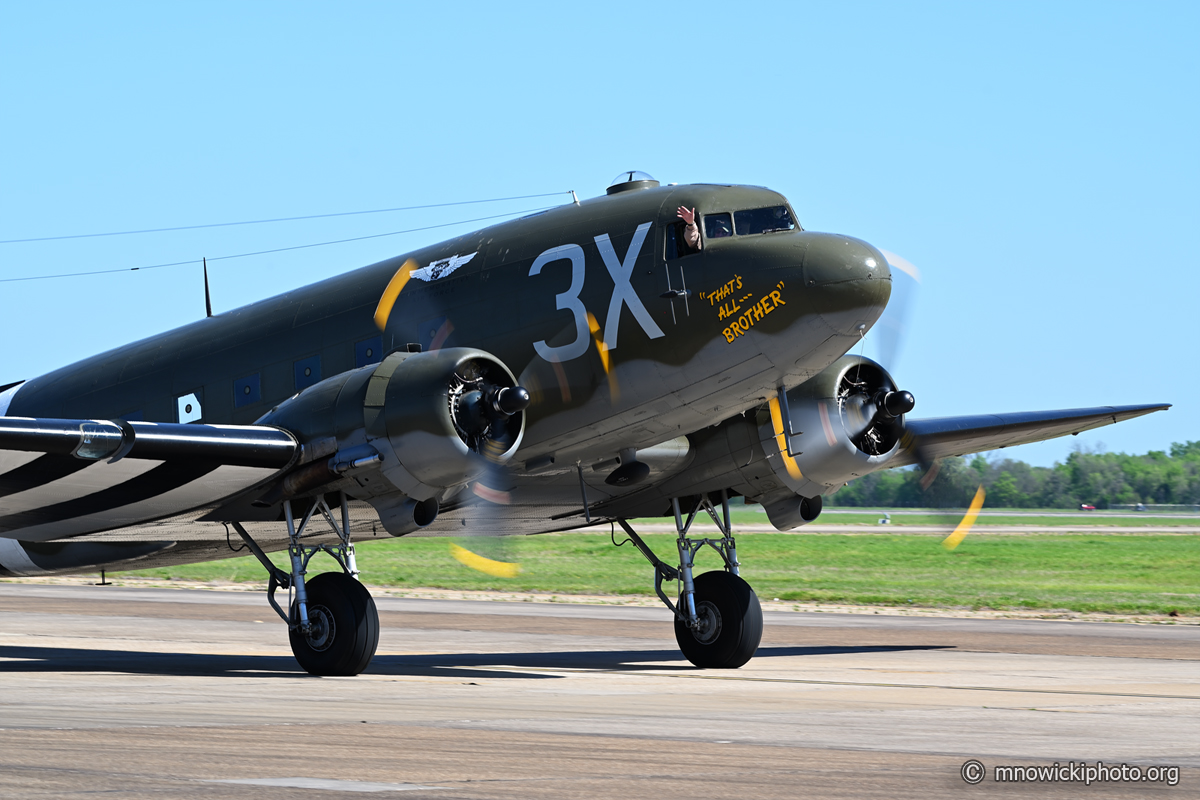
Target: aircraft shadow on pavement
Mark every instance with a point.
(612, 660)
(61, 659)
(32, 659)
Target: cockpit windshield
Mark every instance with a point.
(763, 220)
(716, 226)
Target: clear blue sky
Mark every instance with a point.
(1038, 162)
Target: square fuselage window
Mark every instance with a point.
(247, 391)
(307, 372)
(368, 352)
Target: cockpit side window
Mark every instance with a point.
(764, 220)
(717, 226)
(676, 242)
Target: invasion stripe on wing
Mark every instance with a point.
(160, 480)
(39, 472)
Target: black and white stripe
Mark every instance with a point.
(156, 471)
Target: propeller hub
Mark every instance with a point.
(511, 400)
(896, 404)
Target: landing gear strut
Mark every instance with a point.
(718, 621)
(333, 625)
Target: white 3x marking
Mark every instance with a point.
(623, 294)
(568, 300)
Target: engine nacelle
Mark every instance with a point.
(433, 420)
(845, 422)
(427, 423)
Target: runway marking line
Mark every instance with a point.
(325, 784)
(838, 683)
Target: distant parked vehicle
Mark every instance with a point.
(1141, 507)
(1086, 507)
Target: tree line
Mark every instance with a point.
(1099, 479)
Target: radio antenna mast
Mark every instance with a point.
(207, 296)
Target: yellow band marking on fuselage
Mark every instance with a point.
(793, 468)
(388, 299)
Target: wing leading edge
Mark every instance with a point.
(930, 439)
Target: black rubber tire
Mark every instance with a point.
(345, 626)
(734, 623)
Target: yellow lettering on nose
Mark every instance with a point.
(778, 300)
(729, 337)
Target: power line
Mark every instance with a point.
(278, 219)
(275, 250)
(379, 235)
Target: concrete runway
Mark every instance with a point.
(170, 693)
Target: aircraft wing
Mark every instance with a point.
(61, 478)
(931, 439)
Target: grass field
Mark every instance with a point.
(1033, 518)
(1089, 572)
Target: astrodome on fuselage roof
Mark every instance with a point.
(631, 179)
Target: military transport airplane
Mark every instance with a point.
(593, 363)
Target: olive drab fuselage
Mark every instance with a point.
(622, 341)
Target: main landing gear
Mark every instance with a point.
(718, 621)
(332, 624)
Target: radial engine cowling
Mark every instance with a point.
(845, 422)
(434, 420)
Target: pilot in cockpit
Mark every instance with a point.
(691, 231)
(717, 226)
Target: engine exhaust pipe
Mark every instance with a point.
(408, 515)
(794, 512)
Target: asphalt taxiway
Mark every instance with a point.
(187, 693)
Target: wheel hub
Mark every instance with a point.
(708, 623)
(321, 628)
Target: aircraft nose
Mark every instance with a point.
(853, 277)
(834, 259)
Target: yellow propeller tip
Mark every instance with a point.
(968, 521)
(497, 569)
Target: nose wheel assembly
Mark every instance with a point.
(718, 620)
